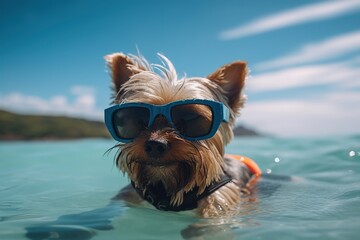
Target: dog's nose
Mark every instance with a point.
(155, 149)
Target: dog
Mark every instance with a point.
(172, 133)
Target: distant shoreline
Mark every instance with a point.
(22, 127)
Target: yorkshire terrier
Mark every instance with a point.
(172, 133)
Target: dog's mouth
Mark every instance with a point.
(157, 162)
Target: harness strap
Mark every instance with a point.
(156, 194)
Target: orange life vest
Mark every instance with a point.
(251, 165)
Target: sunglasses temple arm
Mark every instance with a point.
(226, 114)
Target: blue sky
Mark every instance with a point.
(304, 56)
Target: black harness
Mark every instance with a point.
(156, 195)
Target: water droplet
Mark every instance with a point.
(352, 153)
(277, 160)
(268, 171)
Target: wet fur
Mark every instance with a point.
(186, 164)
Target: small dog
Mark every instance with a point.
(172, 134)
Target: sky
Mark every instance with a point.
(303, 56)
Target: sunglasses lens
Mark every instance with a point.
(192, 120)
(129, 122)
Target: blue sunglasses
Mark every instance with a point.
(193, 119)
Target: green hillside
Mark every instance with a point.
(31, 127)
(35, 127)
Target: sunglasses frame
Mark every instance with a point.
(219, 113)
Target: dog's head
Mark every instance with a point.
(172, 131)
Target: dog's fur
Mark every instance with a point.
(184, 165)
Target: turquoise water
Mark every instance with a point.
(61, 190)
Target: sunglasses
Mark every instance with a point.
(193, 119)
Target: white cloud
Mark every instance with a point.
(324, 113)
(345, 75)
(58, 101)
(85, 97)
(336, 46)
(82, 106)
(291, 17)
(81, 90)
(329, 114)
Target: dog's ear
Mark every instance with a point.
(122, 69)
(231, 78)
